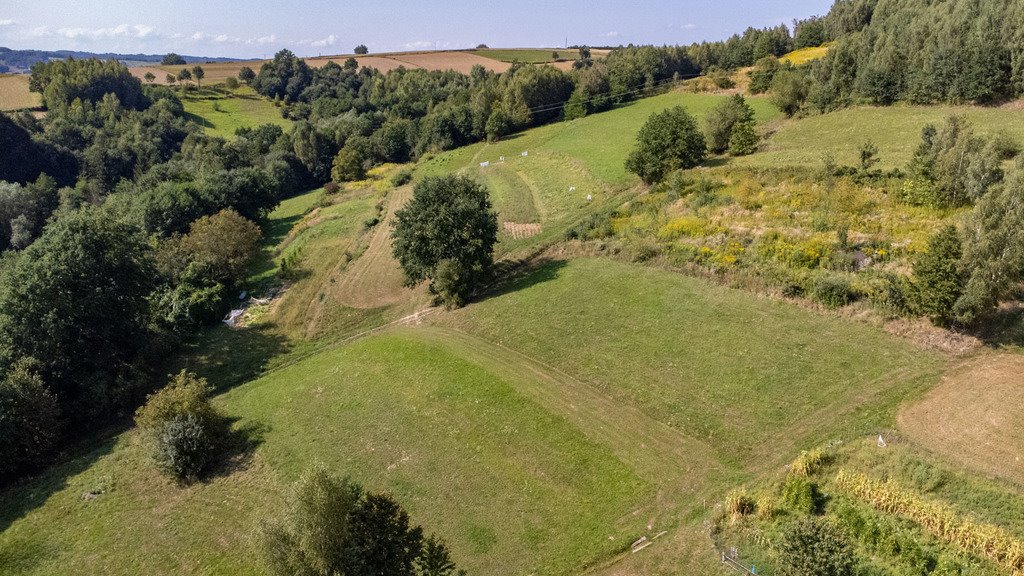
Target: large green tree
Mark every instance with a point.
(76, 302)
(668, 141)
(938, 278)
(993, 249)
(723, 119)
(333, 528)
(449, 228)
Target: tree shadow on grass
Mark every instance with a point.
(1004, 329)
(239, 444)
(26, 495)
(522, 275)
(199, 120)
(227, 356)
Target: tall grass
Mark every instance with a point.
(983, 540)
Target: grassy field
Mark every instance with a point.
(527, 56)
(896, 130)
(221, 112)
(14, 93)
(523, 467)
(588, 154)
(539, 431)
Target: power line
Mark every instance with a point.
(552, 107)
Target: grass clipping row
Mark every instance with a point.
(983, 540)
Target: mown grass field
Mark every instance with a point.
(896, 130)
(221, 112)
(539, 431)
(14, 93)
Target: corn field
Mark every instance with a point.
(982, 540)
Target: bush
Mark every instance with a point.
(801, 495)
(668, 141)
(182, 426)
(28, 421)
(231, 83)
(743, 140)
(183, 447)
(833, 292)
(332, 188)
(401, 178)
(815, 547)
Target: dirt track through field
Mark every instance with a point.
(975, 416)
(375, 278)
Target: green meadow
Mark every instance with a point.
(220, 111)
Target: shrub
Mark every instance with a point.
(1005, 145)
(402, 177)
(231, 83)
(332, 187)
(815, 547)
(833, 291)
(801, 495)
(28, 421)
(182, 426)
(183, 447)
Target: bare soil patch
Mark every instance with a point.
(974, 416)
(519, 231)
(459, 61)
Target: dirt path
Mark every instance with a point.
(975, 416)
(375, 278)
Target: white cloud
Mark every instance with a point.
(7, 22)
(329, 41)
(612, 34)
(272, 39)
(425, 45)
(688, 26)
(138, 31)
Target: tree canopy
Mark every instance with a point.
(446, 233)
(668, 141)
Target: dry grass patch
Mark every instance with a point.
(14, 93)
(974, 416)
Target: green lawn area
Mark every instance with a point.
(527, 56)
(221, 111)
(896, 130)
(538, 431)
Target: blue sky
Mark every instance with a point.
(258, 28)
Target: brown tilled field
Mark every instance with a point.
(974, 416)
(452, 60)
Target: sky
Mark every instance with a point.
(258, 28)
